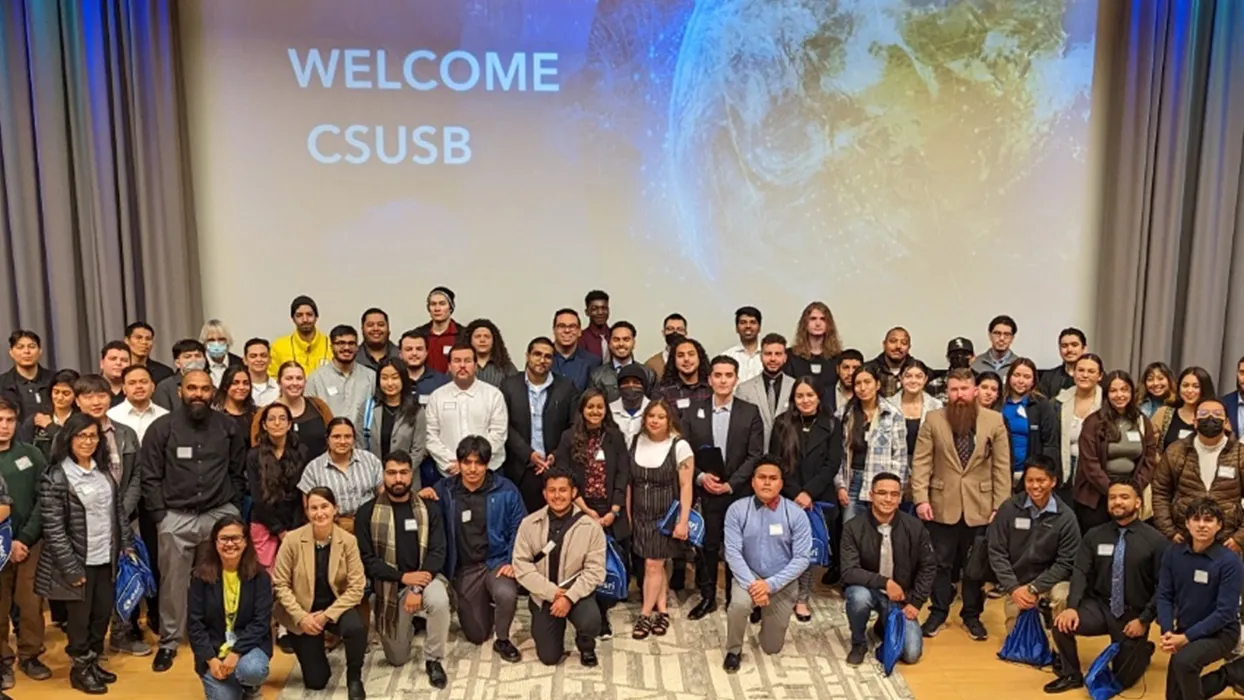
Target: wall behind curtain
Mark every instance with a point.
(94, 195)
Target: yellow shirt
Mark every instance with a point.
(232, 585)
(291, 347)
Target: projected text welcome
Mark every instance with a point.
(422, 71)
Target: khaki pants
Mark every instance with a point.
(1056, 595)
(17, 587)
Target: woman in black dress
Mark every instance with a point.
(1179, 419)
(233, 397)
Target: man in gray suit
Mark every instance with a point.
(771, 390)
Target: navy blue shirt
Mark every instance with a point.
(577, 368)
(1199, 594)
(429, 381)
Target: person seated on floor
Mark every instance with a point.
(768, 541)
(887, 557)
(482, 511)
(1114, 588)
(318, 581)
(1033, 543)
(229, 614)
(1198, 600)
(402, 544)
(559, 557)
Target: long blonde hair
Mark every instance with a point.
(802, 345)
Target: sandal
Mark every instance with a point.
(804, 618)
(661, 624)
(643, 627)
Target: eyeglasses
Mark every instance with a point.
(1002, 334)
(1210, 414)
(566, 327)
(86, 437)
(231, 539)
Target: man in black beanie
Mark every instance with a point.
(441, 328)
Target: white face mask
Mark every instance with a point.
(192, 365)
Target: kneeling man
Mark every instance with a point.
(768, 543)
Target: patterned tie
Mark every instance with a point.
(771, 393)
(965, 445)
(1116, 575)
(886, 567)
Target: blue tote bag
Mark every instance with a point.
(6, 541)
(615, 584)
(1100, 681)
(695, 524)
(1027, 643)
(817, 518)
(134, 580)
(891, 647)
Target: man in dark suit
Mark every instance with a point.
(540, 405)
(735, 430)
(1231, 401)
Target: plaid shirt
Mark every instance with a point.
(887, 448)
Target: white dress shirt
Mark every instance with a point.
(216, 370)
(126, 414)
(455, 413)
(749, 365)
(264, 392)
(628, 424)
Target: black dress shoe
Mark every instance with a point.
(703, 608)
(507, 651)
(355, 690)
(855, 657)
(732, 663)
(436, 674)
(163, 660)
(755, 616)
(588, 659)
(106, 677)
(82, 679)
(1064, 683)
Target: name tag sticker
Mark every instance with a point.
(1200, 576)
(1133, 436)
(87, 490)
(1105, 550)
(411, 525)
(23, 463)
(1023, 524)
(231, 638)
(38, 398)
(1226, 472)
(1021, 412)
(549, 547)
(333, 391)
(445, 350)
(775, 529)
(600, 454)
(185, 453)
(295, 427)
(423, 399)
(449, 405)
(1184, 433)
(816, 369)
(699, 413)
(685, 403)
(466, 516)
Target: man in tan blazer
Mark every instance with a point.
(960, 476)
(674, 331)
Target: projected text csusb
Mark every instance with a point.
(420, 70)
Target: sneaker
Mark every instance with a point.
(606, 631)
(932, 626)
(975, 629)
(128, 644)
(34, 669)
(856, 656)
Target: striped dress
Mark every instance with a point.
(652, 492)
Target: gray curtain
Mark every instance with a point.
(1171, 284)
(95, 211)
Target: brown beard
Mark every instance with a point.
(962, 416)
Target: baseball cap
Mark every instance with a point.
(959, 345)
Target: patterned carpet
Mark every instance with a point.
(685, 664)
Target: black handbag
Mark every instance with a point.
(977, 567)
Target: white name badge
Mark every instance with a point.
(449, 405)
(23, 463)
(600, 454)
(1226, 472)
(87, 490)
(466, 516)
(1023, 524)
(1021, 412)
(1133, 436)
(1105, 550)
(1184, 433)
(699, 413)
(38, 398)
(185, 453)
(775, 529)
(295, 427)
(333, 391)
(549, 547)
(231, 638)
(816, 369)
(1200, 576)
(411, 525)
(445, 350)
(685, 403)
(423, 399)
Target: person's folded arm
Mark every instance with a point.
(1065, 562)
(999, 554)
(1166, 593)
(853, 572)
(733, 540)
(801, 547)
(926, 571)
(1226, 605)
(356, 582)
(1079, 574)
(593, 572)
(259, 628)
(1150, 613)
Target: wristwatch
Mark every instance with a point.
(1033, 589)
(417, 590)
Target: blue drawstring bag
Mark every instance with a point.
(821, 552)
(695, 524)
(1027, 643)
(6, 541)
(1100, 681)
(615, 584)
(891, 647)
(134, 580)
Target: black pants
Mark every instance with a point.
(89, 617)
(148, 530)
(1224, 677)
(313, 659)
(950, 544)
(1090, 518)
(714, 512)
(1183, 671)
(1095, 620)
(549, 633)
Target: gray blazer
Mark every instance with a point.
(408, 437)
(753, 391)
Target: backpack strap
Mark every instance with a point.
(368, 408)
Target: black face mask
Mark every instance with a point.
(1209, 427)
(959, 360)
(672, 339)
(631, 396)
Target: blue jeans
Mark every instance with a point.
(855, 507)
(862, 602)
(251, 671)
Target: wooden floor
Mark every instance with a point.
(954, 667)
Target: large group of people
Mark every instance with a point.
(323, 489)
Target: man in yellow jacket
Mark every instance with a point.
(306, 345)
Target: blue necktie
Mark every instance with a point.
(1116, 575)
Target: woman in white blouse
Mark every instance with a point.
(1075, 403)
(662, 467)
